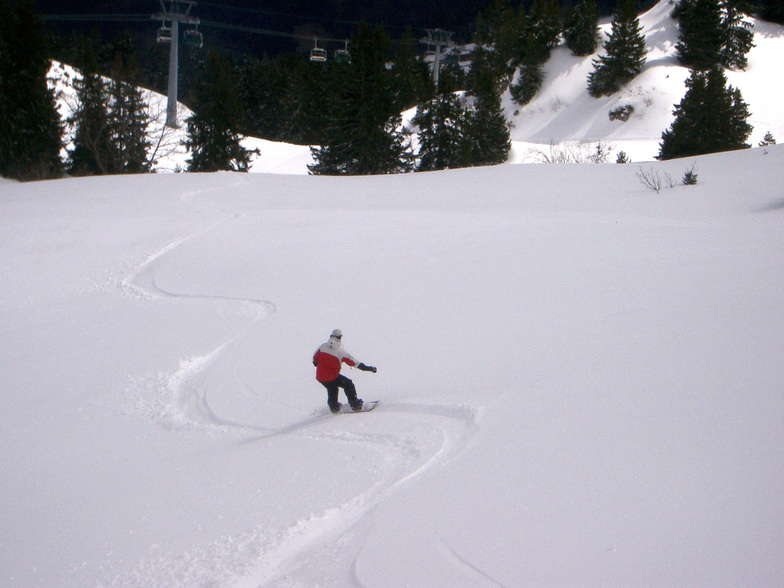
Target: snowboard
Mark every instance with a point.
(345, 408)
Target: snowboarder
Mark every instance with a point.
(328, 360)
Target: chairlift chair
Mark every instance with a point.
(193, 38)
(317, 53)
(342, 55)
(164, 34)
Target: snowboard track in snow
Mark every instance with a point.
(327, 548)
(433, 435)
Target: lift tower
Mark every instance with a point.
(439, 39)
(177, 11)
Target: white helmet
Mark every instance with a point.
(336, 334)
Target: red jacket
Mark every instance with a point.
(329, 358)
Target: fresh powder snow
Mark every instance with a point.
(580, 379)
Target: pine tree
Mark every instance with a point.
(737, 34)
(497, 33)
(306, 99)
(700, 35)
(539, 32)
(212, 130)
(363, 135)
(487, 133)
(624, 53)
(531, 75)
(441, 122)
(581, 27)
(544, 26)
(128, 118)
(712, 32)
(31, 139)
(262, 84)
(773, 10)
(413, 83)
(711, 118)
(93, 150)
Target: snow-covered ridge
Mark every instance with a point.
(562, 113)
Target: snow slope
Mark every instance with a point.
(564, 113)
(580, 379)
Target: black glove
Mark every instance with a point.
(367, 368)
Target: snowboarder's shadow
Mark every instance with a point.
(292, 428)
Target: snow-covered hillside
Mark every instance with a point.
(562, 114)
(580, 379)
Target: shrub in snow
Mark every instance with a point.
(690, 177)
(768, 139)
(650, 178)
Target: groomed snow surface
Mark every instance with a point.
(581, 380)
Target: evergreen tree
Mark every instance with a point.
(773, 11)
(363, 135)
(531, 74)
(212, 129)
(262, 84)
(93, 150)
(581, 27)
(413, 83)
(711, 118)
(712, 32)
(31, 138)
(128, 118)
(441, 122)
(737, 34)
(305, 97)
(544, 26)
(624, 53)
(539, 34)
(497, 32)
(700, 35)
(487, 134)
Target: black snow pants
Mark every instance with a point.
(332, 390)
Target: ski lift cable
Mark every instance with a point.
(208, 23)
(98, 17)
(258, 31)
(308, 17)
